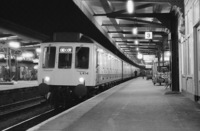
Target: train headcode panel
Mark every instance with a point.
(65, 50)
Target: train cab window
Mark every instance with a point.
(65, 57)
(49, 57)
(82, 58)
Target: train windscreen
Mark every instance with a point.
(49, 54)
(82, 57)
(65, 57)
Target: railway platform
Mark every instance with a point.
(18, 91)
(136, 105)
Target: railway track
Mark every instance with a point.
(24, 125)
(32, 121)
(14, 113)
(19, 106)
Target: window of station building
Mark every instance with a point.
(65, 57)
(49, 54)
(82, 57)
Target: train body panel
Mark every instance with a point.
(109, 67)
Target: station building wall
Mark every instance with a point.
(189, 51)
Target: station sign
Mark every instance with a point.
(148, 35)
(148, 57)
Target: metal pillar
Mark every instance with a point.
(174, 47)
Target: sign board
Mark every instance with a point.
(149, 57)
(148, 66)
(148, 35)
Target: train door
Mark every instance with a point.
(97, 67)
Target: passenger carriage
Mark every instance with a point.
(74, 65)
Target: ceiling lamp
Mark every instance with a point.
(135, 31)
(139, 56)
(130, 6)
(136, 42)
(38, 50)
(167, 53)
(35, 67)
(137, 49)
(14, 44)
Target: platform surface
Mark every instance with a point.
(136, 105)
(18, 85)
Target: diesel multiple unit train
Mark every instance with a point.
(73, 66)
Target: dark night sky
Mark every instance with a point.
(49, 16)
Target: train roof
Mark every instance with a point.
(71, 37)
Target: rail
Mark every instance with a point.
(14, 107)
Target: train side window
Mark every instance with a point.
(82, 58)
(65, 57)
(49, 57)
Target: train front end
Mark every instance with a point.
(65, 69)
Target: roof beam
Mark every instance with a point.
(138, 44)
(108, 8)
(140, 32)
(135, 15)
(179, 3)
(134, 25)
(136, 37)
(141, 42)
(151, 1)
(142, 21)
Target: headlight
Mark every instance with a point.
(46, 78)
(81, 80)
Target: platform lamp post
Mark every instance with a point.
(12, 45)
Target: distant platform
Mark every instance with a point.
(17, 84)
(6, 83)
(15, 91)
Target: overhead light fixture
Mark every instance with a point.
(135, 31)
(14, 44)
(137, 49)
(136, 42)
(167, 53)
(139, 56)
(35, 67)
(130, 6)
(38, 50)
